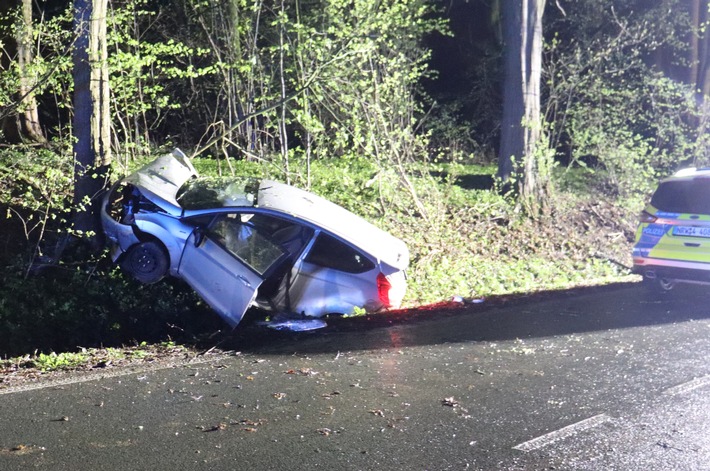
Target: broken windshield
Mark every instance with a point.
(219, 192)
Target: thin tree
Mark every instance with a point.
(92, 151)
(521, 132)
(699, 72)
(29, 116)
(20, 120)
(701, 47)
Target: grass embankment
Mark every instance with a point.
(465, 239)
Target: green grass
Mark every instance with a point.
(62, 361)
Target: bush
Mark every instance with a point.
(64, 309)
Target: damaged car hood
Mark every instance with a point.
(161, 179)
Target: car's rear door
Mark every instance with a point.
(225, 264)
(332, 278)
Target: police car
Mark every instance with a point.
(672, 242)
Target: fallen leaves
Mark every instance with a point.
(21, 449)
(302, 372)
(454, 404)
(218, 427)
(449, 401)
(247, 425)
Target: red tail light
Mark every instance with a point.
(383, 289)
(645, 217)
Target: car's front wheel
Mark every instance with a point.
(147, 262)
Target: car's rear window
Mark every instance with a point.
(683, 196)
(329, 252)
(218, 192)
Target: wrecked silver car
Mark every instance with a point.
(248, 242)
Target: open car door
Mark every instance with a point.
(225, 264)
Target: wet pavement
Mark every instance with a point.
(602, 378)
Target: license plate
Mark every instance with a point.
(691, 231)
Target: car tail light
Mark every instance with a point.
(645, 217)
(383, 289)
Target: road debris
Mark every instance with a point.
(296, 325)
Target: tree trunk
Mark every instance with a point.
(703, 75)
(521, 131)
(92, 151)
(512, 146)
(28, 115)
(694, 41)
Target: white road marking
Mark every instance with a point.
(688, 386)
(564, 432)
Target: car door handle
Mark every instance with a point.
(691, 244)
(244, 280)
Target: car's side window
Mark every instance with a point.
(329, 252)
(244, 240)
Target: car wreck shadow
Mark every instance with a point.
(501, 318)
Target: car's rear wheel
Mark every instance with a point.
(658, 285)
(147, 262)
(666, 285)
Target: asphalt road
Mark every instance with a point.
(595, 379)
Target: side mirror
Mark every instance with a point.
(199, 236)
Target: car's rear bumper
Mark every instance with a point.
(678, 270)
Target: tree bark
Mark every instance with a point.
(512, 137)
(521, 131)
(694, 42)
(531, 58)
(703, 75)
(92, 150)
(28, 117)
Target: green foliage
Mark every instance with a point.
(66, 307)
(327, 78)
(48, 74)
(633, 148)
(366, 99)
(451, 137)
(35, 191)
(62, 361)
(92, 357)
(145, 70)
(611, 111)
